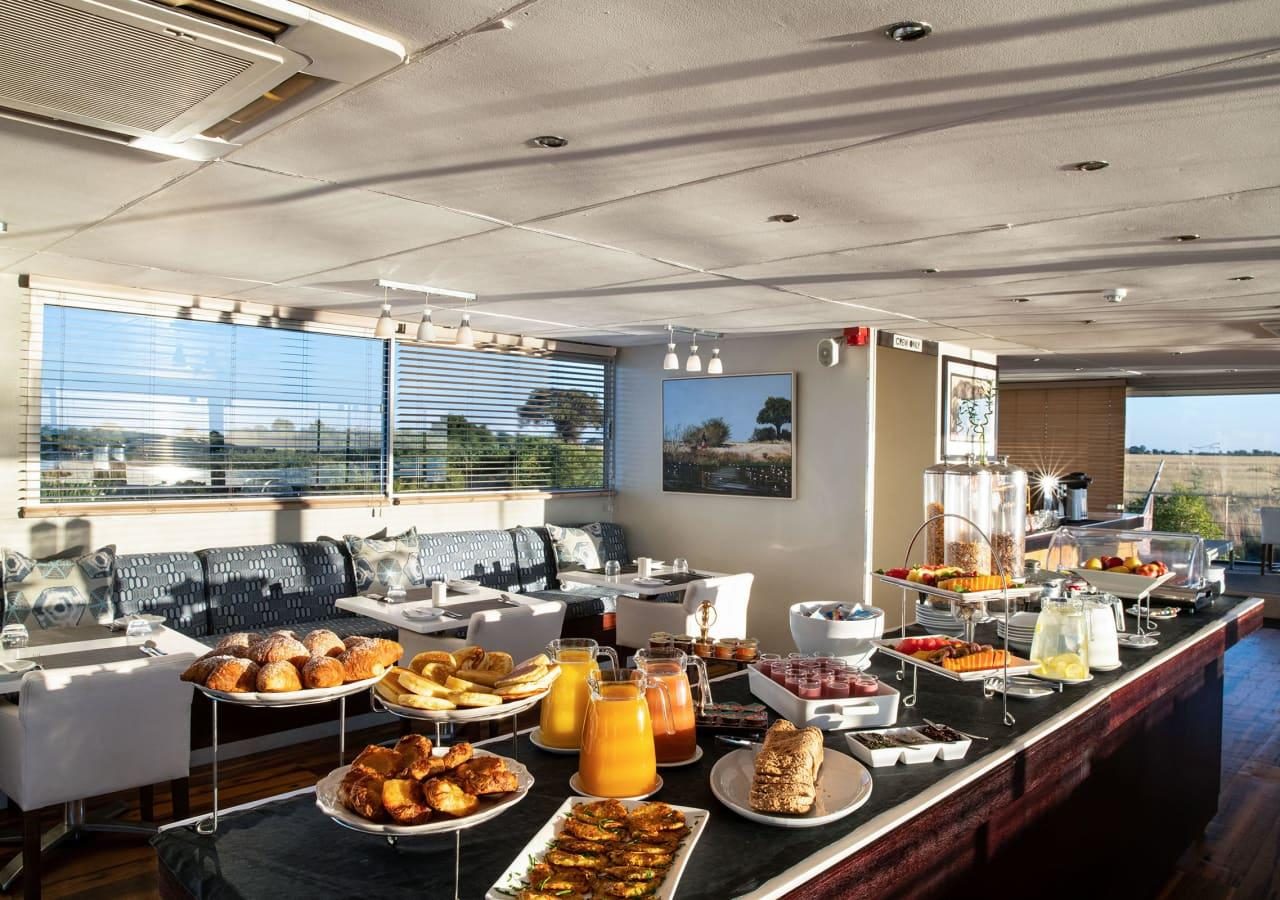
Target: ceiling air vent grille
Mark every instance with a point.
(1272, 327)
(75, 63)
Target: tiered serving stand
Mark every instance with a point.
(442, 717)
(309, 697)
(964, 606)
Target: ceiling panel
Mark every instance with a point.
(653, 93)
(56, 265)
(416, 24)
(246, 223)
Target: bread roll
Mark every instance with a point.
(323, 672)
(278, 677)
(198, 671)
(238, 639)
(389, 652)
(360, 662)
(323, 642)
(279, 648)
(233, 676)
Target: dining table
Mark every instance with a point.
(667, 580)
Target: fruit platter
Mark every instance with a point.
(954, 583)
(1127, 577)
(955, 659)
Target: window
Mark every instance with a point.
(469, 420)
(152, 406)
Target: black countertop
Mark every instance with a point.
(1039, 540)
(288, 847)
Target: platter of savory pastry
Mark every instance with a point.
(282, 669)
(791, 780)
(467, 684)
(414, 788)
(604, 848)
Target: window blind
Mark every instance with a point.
(469, 420)
(176, 404)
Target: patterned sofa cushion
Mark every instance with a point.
(273, 585)
(164, 584)
(581, 603)
(487, 556)
(56, 593)
(536, 558)
(610, 539)
(383, 563)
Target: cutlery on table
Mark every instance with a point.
(972, 737)
(739, 742)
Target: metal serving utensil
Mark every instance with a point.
(972, 737)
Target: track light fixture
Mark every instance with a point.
(386, 326)
(694, 362)
(714, 366)
(671, 362)
(426, 328)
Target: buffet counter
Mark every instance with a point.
(1105, 783)
(1039, 540)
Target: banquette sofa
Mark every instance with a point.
(209, 593)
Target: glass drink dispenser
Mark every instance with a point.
(967, 490)
(1008, 517)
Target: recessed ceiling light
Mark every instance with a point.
(784, 217)
(1079, 368)
(1232, 278)
(929, 271)
(1132, 372)
(1090, 165)
(1037, 359)
(1176, 353)
(905, 32)
(1088, 321)
(1234, 370)
(1019, 299)
(1184, 238)
(550, 141)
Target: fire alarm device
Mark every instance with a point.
(857, 336)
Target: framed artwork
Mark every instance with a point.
(968, 407)
(729, 434)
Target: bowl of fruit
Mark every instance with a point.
(1128, 577)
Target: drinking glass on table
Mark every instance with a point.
(13, 639)
(612, 568)
(680, 565)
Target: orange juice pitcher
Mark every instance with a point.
(668, 673)
(565, 708)
(618, 757)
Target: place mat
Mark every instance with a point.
(70, 634)
(91, 657)
(464, 610)
(414, 595)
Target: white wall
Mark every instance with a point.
(190, 531)
(809, 548)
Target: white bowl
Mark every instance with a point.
(851, 639)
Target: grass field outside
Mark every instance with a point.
(1234, 487)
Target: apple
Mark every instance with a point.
(1161, 568)
(1110, 562)
(1094, 563)
(1133, 562)
(1119, 569)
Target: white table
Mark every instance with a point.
(92, 638)
(624, 584)
(411, 631)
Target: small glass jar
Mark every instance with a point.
(746, 649)
(724, 648)
(838, 687)
(809, 688)
(766, 661)
(702, 647)
(791, 676)
(684, 642)
(865, 685)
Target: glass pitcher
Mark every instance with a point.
(618, 757)
(1060, 647)
(564, 709)
(668, 674)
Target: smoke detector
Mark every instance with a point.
(1115, 295)
(182, 78)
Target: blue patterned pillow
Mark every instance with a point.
(575, 548)
(58, 593)
(380, 564)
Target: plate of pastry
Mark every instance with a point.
(283, 669)
(605, 848)
(467, 684)
(791, 780)
(414, 788)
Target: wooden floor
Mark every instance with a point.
(1238, 858)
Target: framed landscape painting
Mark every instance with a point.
(968, 407)
(731, 434)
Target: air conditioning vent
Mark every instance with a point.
(1272, 327)
(158, 76)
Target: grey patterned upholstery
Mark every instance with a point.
(163, 584)
(343, 625)
(612, 540)
(536, 558)
(273, 585)
(579, 604)
(487, 556)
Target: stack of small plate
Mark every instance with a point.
(938, 621)
(1022, 629)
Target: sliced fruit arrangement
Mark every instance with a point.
(956, 656)
(1068, 666)
(1129, 565)
(967, 584)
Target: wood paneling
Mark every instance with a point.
(1068, 427)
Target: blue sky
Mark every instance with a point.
(736, 399)
(1208, 424)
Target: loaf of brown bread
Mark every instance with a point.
(786, 769)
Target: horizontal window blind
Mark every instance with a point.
(130, 405)
(468, 420)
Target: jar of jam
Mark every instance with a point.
(731, 715)
(865, 686)
(702, 647)
(766, 661)
(746, 649)
(725, 647)
(661, 640)
(684, 642)
(810, 688)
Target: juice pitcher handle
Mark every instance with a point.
(704, 683)
(664, 700)
(611, 653)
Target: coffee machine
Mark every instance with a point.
(1075, 489)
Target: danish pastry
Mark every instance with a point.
(277, 677)
(238, 639)
(361, 661)
(446, 796)
(402, 799)
(323, 672)
(361, 792)
(458, 754)
(233, 675)
(415, 756)
(485, 775)
(279, 648)
(377, 760)
(323, 642)
(198, 672)
(389, 652)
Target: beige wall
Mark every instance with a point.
(809, 548)
(189, 531)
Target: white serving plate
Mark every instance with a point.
(889, 756)
(511, 881)
(648, 582)
(1017, 665)
(575, 785)
(843, 785)
(827, 714)
(463, 585)
(473, 714)
(1130, 587)
(535, 738)
(304, 697)
(331, 806)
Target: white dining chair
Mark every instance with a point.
(1270, 516)
(522, 630)
(637, 618)
(86, 731)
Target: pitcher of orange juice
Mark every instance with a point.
(565, 708)
(668, 673)
(618, 757)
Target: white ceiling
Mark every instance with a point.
(689, 125)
